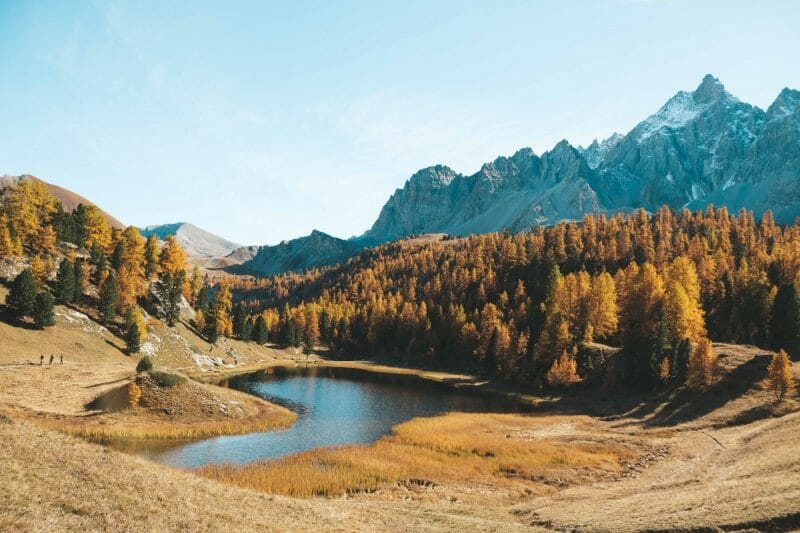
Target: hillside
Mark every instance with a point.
(196, 242)
(622, 463)
(70, 200)
(702, 147)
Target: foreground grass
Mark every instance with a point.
(458, 448)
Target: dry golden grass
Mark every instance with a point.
(137, 426)
(458, 448)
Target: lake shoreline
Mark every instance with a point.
(461, 382)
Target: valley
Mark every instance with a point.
(595, 338)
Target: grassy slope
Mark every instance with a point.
(682, 465)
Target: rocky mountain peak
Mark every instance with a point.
(436, 177)
(787, 103)
(710, 90)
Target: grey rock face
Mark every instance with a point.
(702, 147)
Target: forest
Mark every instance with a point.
(540, 307)
(624, 299)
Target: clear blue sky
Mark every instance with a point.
(260, 121)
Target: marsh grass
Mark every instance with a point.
(458, 447)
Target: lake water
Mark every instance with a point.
(334, 406)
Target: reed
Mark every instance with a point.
(458, 447)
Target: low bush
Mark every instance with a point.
(166, 380)
(145, 364)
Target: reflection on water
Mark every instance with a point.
(334, 407)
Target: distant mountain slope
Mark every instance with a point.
(195, 241)
(317, 249)
(702, 147)
(68, 199)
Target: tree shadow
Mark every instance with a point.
(7, 316)
(686, 405)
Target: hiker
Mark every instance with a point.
(51, 358)
(41, 360)
(62, 358)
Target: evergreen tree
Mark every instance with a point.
(133, 338)
(260, 330)
(171, 292)
(203, 300)
(247, 329)
(239, 320)
(43, 313)
(151, 257)
(109, 298)
(22, 295)
(65, 282)
(118, 255)
(784, 324)
(80, 276)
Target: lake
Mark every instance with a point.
(334, 406)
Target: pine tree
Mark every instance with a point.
(133, 338)
(43, 312)
(22, 295)
(239, 320)
(784, 325)
(247, 329)
(779, 375)
(109, 299)
(151, 257)
(80, 281)
(260, 331)
(171, 290)
(65, 281)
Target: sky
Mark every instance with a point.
(260, 121)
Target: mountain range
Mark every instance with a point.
(701, 147)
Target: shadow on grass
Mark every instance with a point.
(7, 316)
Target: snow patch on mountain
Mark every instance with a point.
(677, 112)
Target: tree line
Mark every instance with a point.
(539, 306)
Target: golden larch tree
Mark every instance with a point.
(702, 365)
(563, 372)
(780, 379)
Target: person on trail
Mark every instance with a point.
(62, 358)
(51, 358)
(41, 359)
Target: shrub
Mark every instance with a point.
(166, 380)
(145, 364)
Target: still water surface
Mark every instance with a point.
(333, 406)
